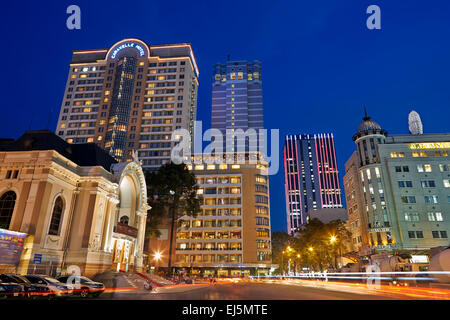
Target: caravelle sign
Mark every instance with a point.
(128, 45)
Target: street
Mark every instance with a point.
(254, 291)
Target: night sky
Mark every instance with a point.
(320, 64)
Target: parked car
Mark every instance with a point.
(30, 290)
(10, 290)
(87, 287)
(57, 288)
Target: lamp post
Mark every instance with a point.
(333, 240)
(157, 256)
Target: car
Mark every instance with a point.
(58, 289)
(87, 287)
(30, 290)
(10, 290)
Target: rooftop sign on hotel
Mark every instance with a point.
(430, 145)
(128, 45)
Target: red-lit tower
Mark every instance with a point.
(311, 176)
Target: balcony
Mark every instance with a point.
(125, 229)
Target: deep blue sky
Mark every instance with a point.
(320, 63)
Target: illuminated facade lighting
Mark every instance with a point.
(311, 177)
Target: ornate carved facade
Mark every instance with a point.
(76, 204)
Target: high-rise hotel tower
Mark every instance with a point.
(237, 96)
(311, 177)
(130, 96)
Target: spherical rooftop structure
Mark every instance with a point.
(368, 127)
(368, 124)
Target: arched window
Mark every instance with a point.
(124, 219)
(7, 202)
(55, 222)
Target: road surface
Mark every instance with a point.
(242, 291)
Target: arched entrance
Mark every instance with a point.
(131, 212)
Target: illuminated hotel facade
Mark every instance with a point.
(232, 234)
(397, 189)
(311, 177)
(130, 96)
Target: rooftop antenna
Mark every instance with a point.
(365, 114)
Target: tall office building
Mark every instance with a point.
(130, 96)
(237, 96)
(311, 177)
(397, 190)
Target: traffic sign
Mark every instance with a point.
(37, 258)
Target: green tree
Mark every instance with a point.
(320, 244)
(280, 241)
(172, 192)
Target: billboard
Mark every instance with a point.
(11, 245)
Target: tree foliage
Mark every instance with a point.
(171, 192)
(316, 246)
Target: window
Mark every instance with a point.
(444, 167)
(124, 219)
(431, 199)
(435, 216)
(408, 199)
(424, 168)
(397, 154)
(405, 184)
(428, 184)
(411, 216)
(55, 221)
(446, 183)
(7, 202)
(15, 174)
(419, 234)
(439, 234)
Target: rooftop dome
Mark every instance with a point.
(368, 127)
(368, 124)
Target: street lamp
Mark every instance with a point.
(295, 268)
(333, 241)
(157, 256)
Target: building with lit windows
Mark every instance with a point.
(237, 97)
(69, 205)
(398, 190)
(130, 96)
(311, 177)
(232, 235)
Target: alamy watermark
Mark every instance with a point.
(74, 20)
(374, 20)
(230, 147)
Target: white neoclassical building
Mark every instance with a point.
(74, 205)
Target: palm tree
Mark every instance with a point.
(172, 190)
